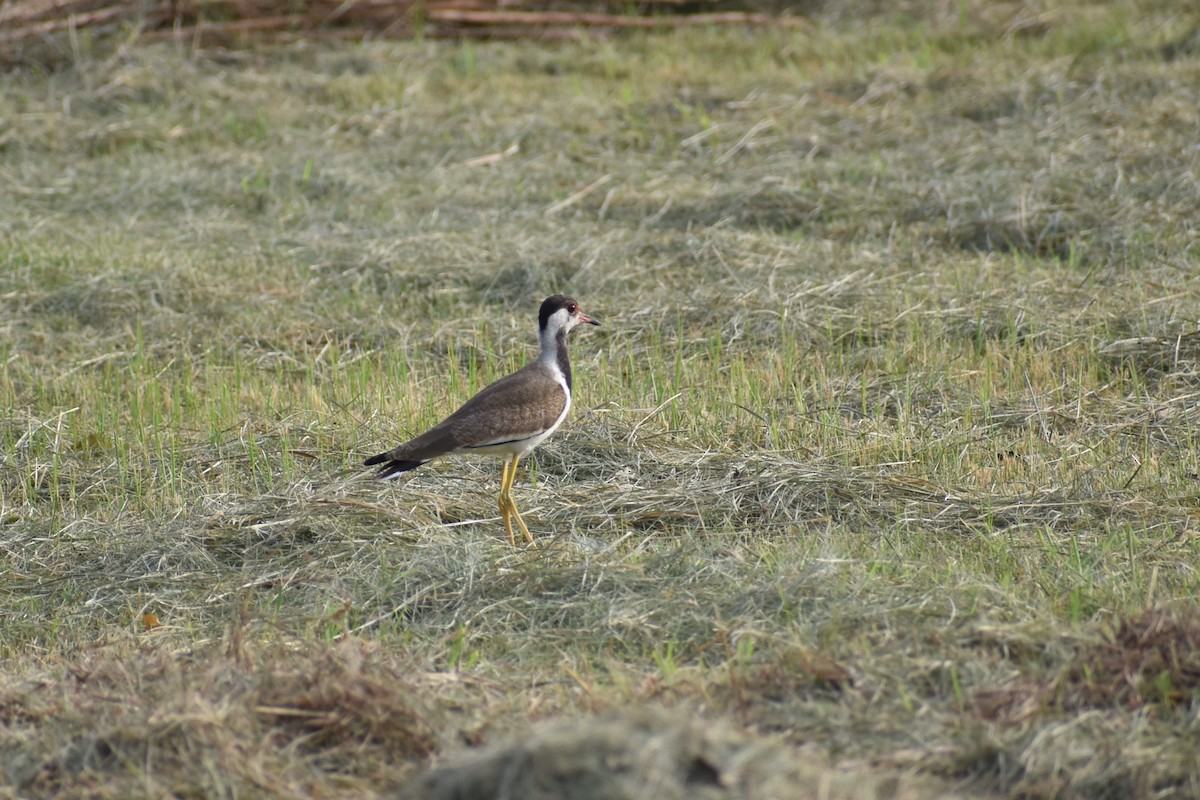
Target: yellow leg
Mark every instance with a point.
(506, 501)
(508, 508)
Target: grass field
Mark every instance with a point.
(882, 478)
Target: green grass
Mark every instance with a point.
(887, 449)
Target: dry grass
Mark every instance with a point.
(28, 26)
(882, 470)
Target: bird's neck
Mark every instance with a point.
(553, 353)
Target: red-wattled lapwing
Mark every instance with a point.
(508, 418)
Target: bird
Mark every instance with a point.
(507, 418)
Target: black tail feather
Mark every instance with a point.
(390, 466)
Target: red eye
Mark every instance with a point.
(571, 309)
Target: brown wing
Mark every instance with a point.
(517, 406)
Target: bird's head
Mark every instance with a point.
(560, 312)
